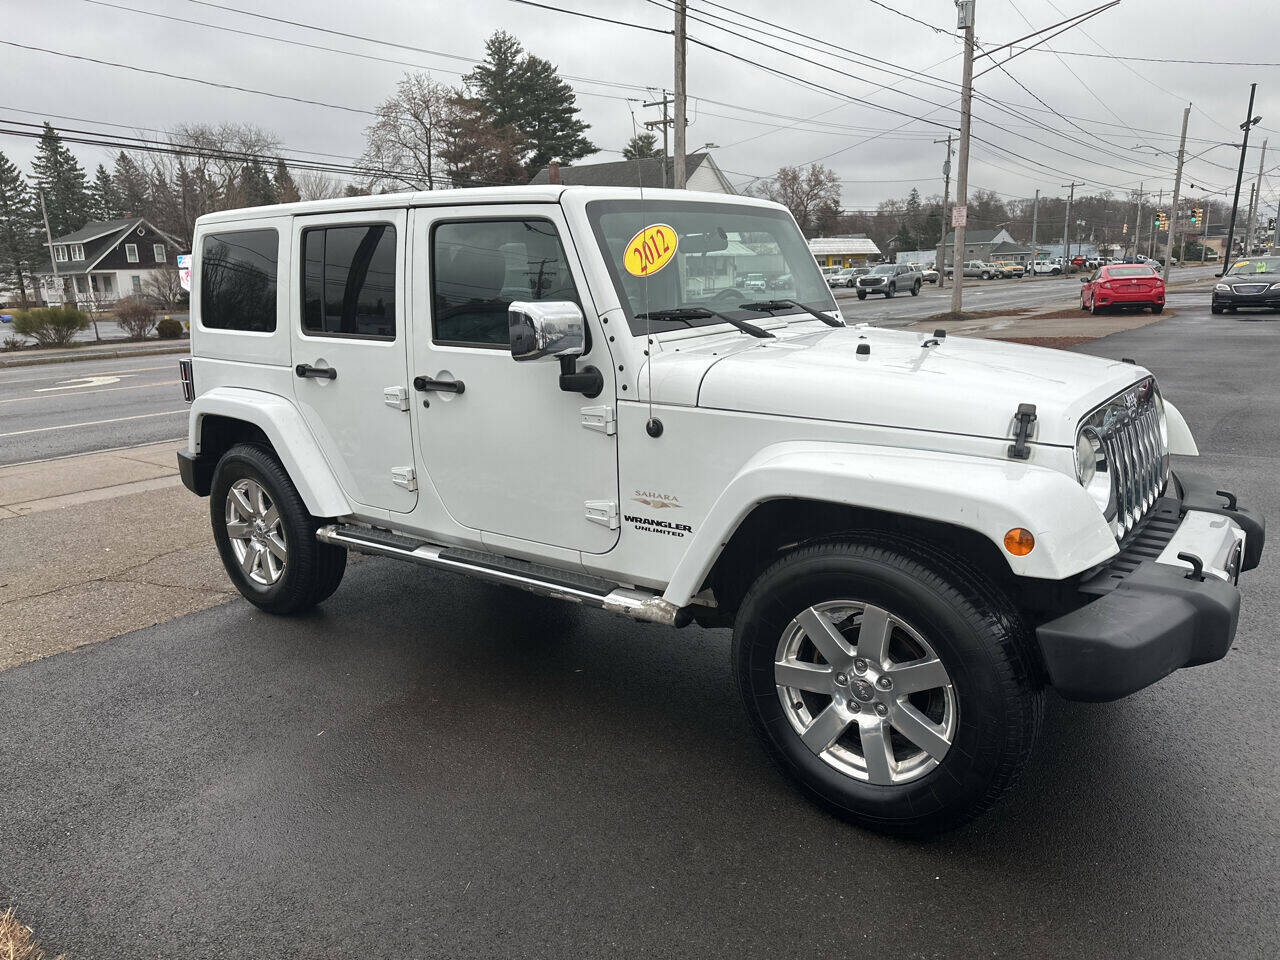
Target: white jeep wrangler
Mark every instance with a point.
(561, 389)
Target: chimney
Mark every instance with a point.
(553, 172)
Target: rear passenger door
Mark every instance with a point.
(349, 352)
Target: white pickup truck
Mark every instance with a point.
(560, 389)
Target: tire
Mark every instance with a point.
(986, 276)
(1231, 308)
(1083, 305)
(1159, 309)
(849, 284)
(1094, 308)
(890, 292)
(1055, 271)
(1214, 308)
(915, 290)
(985, 715)
(862, 294)
(309, 571)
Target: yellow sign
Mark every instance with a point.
(650, 250)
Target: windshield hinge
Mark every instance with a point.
(600, 419)
(603, 512)
(1023, 430)
(405, 477)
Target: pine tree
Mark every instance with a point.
(641, 147)
(19, 229)
(256, 188)
(285, 189)
(61, 178)
(132, 188)
(103, 203)
(523, 91)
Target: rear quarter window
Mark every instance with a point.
(238, 271)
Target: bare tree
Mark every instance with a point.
(812, 194)
(313, 185)
(164, 288)
(403, 145)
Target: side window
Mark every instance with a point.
(478, 267)
(349, 281)
(238, 280)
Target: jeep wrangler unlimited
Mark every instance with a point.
(563, 390)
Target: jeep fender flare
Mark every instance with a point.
(982, 494)
(1180, 439)
(292, 440)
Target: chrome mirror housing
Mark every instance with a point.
(547, 329)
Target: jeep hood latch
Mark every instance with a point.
(1023, 428)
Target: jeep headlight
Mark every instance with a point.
(1163, 419)
(1092, 470)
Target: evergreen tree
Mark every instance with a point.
(19, 229)
(256, 188)
(641, 147)
(132, 188)
(286, 190)
(913, 213)
(522, 91)
(59, 175)
(103, 202)
(903, 240)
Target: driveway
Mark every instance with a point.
(432, 767)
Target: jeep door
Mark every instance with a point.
(508, 452)
(350, 353)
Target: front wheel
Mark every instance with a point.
(862, 294)
(1055, 271)
(1157, 309)
(986, 276)
(890, 680)
(890, 292)
(1215, 309)
(266, 537)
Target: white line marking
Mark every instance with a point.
(77, 383)
(4, 383)
(87, 453)
(91, 423)
(136, 386)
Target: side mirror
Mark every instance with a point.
(1084, 279)
(547, 329)
(1217, 274)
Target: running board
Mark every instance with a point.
(534, 577)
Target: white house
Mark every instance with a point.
(106, 261)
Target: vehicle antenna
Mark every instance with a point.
(653, 426)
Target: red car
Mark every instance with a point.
(1122, 285)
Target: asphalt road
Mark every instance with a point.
(431, 767)
(60, 409)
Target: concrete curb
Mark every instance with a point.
(182, 346)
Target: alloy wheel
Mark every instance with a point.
(865, 692)
(255, 532)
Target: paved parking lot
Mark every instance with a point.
(431, 767)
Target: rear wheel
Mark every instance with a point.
(1094, 308)
(915, 290)
(266, 537)
(890, 680)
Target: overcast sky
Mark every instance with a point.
(760, 120)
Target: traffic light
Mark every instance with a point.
(1195, 215)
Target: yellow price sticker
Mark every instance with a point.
(650, 250)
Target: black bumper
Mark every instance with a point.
(196, 472)
(1146, 619)
(1264, 301)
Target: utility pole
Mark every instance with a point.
(1248, 226)
(1204, 237)
(1155, 227)
(1177, 190)
(941, 265)
(966, 14)
(1255, 202)
(678, 165)
(49, 242)
(1066, 228)
(1249, 121)
(1137, 224)
(665, 124)
(1035, 222)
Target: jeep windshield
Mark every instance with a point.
(673, 257)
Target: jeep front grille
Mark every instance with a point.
(1136, 459)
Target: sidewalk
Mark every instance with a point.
(97, 545)
(94, 351)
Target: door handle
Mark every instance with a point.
(444, 386)
(305, 370)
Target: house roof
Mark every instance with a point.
(630, 173)
(99, 237)
(96, 228)
(977, 236)
(1007, 247)
(854, 244)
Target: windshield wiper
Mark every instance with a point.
(771, 306)
(701, 313)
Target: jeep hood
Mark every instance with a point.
(960, 385)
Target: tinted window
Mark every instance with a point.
(238, 280)
(1130, 272)
(349, 281)
(479, 267)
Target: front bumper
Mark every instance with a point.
(1268, 299)
(1150, 612)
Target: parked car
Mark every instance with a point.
(755, 282)
(781, 282)
(910, 537)
(890, 279)
(847, 277)
(1253, 282)
(831, 271)
(929, 275)
(1049, 267)
(1010, 270)
(1125, 286)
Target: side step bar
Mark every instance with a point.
(534, 577)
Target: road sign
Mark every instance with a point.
(959, 215)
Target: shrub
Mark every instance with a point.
(137, 315)
(51, 326)
(169, 328)
(13, 343)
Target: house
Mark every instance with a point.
(847, 250)
(978, 244)
(1010, 251)
(105, 261)
(701, 173)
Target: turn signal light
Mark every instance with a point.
(1019, 541)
